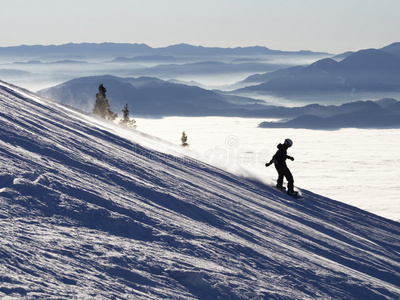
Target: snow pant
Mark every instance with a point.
(283, 171)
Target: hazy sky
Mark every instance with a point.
(320, 25)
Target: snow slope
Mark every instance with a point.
(90, 210)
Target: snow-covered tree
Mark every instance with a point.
(126, 121)
(184, 139)
(101, 106)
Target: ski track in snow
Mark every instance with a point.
(91, 210)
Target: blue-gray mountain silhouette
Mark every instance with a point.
(155, 97)
(205, 67)
(113, 50)
(145, 96)
(384, 113)
(358, 75)
(393, 48)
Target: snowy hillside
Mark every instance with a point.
(89, 210)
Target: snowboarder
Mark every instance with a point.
(279, 159)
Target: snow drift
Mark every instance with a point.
(90, 210)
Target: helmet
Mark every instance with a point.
(288, 142)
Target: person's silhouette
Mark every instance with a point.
(279, 159)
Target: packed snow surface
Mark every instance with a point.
(91, 210)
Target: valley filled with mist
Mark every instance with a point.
(304, 87)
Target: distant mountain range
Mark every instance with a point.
(146, 96)
(206, 67)
(145, 58)
(357, 76)
(154, 97)
(61, 62)
(183, 62)
(114, 50)
(151, 80)
(384, 113)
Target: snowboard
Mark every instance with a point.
(295, 195)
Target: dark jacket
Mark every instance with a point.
(280, 156)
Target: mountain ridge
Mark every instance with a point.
(146, 95)
(360, 74)
(154, 97)
(113, 50)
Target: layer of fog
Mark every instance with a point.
(40, 74)
(356, 166)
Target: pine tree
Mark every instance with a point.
(125, 117)
(101, 106)
(184, 139)
(126, 121)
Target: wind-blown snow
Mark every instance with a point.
(90, 210)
